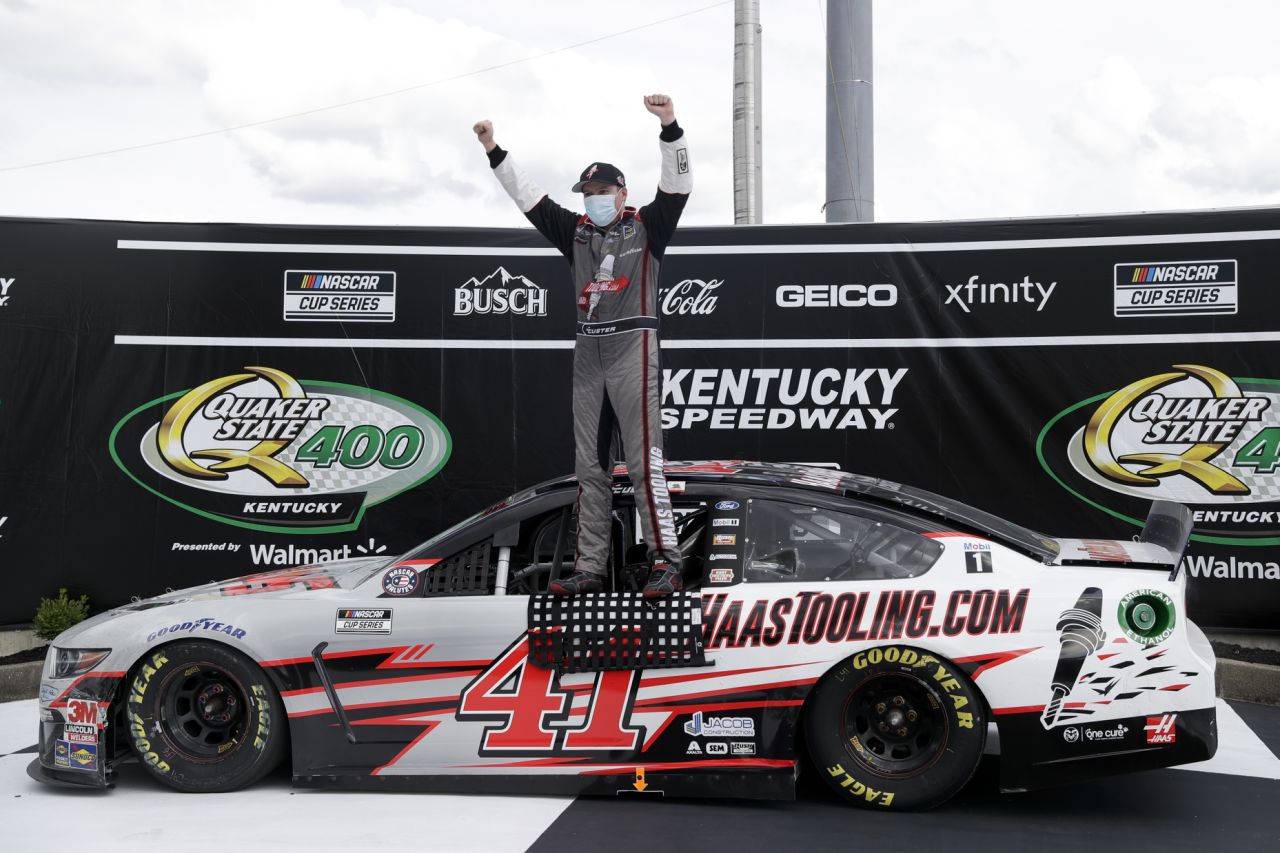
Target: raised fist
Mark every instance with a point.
(662, 106)
(484, 132)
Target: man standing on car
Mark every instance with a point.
(614, 255)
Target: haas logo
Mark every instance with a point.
(1162, 729)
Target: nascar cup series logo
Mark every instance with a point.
(263, 450)
(1192, 434)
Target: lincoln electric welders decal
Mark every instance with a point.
(263, 450)
(1192, 435)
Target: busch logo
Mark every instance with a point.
(1162, 729)
(5, 284)
(691, 296)
(500, 292)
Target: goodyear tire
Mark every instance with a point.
(203, 718)
(895, 727)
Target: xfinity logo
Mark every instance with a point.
(5, 284)
(836, 295)
(3, 519)
(500, 292)
(691, 296)
(977, 292)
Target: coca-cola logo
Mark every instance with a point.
(691, 296)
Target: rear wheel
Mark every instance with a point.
(895, 727)
(202, 717)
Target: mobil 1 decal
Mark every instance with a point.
(1194, 433)
(812, 617)
(259, 448)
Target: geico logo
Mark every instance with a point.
(836, 295)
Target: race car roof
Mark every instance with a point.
(834, 481)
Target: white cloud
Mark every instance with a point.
(984, 108)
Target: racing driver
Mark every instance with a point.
(614, 255)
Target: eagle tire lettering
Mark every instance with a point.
(895, 727)
(201, 718)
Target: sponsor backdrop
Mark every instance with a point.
(180, 403)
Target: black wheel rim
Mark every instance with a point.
(204, 712)
(895, 725)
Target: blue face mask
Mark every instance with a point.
(601, 209)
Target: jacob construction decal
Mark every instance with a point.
(262, 450)
(1191, 434)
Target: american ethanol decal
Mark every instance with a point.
(263, 450)
(1191, 434)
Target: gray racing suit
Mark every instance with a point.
(616, 380)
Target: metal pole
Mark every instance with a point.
(850, 115)
(748, 195)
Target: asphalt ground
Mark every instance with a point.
(1229, 803)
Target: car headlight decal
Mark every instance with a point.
(65, 663)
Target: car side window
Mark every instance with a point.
(796, 542)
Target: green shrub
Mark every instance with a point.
(55, 615)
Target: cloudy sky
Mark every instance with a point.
(984, 108)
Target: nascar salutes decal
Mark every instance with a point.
(1192, 434)
(400, 581)
(263, 450)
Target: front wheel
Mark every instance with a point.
(895, 727)
(204, 718)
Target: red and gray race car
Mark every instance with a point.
(865, 630)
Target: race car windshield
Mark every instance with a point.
(1037, 543)
(518, 498)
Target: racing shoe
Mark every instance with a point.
(578, 583)
(663, 580)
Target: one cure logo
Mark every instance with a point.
(1192, 434)
(263, 450)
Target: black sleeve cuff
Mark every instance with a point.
(497, 155)
(671, 132)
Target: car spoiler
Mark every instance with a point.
(1159, 546)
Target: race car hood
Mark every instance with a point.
(279, 583)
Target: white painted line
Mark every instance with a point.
(339, 343)
(764, 249)
(331, 249)
(706, 343)
(1240, 751)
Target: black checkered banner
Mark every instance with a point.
(181, 403)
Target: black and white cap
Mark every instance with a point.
(604, 173)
